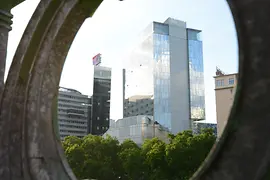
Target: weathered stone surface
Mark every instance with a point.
(243, 152)
(28, 146)
(5, 27)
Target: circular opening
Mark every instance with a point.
(163, 80)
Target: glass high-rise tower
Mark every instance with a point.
(167, 65)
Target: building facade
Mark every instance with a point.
(225, 88)
(167, 64)
(100, 116)
(139, 105)
(198, 126)
(137, 128)
(73, 113)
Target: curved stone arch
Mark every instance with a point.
(29, 148)
(28, 145)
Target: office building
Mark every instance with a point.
(198, 126)
(225, 88)
(139, 105)
(167, 64)
(99, 122)
(138, 129)
(73, 113)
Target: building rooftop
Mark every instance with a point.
(63, 89)
(220, 73)
(205, 122)
(139, 97)
(176, 22)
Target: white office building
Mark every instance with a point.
(137, 128)
(73, 113)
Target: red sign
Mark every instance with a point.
(96, 59)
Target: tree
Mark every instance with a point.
(93, 157)
(71, 140)
(74, 154)
(153, 152)
(186, 152)
(132, 160)
(101, 159)
(96, 157)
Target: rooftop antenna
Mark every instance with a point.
(219, 72)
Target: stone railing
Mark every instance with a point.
(29, 149)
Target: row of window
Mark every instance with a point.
(72, 126)
(139, 112)
(136, 108)
(143, 105)
(73, 131)
(70, 101)
(107, 119)
(73, 117)
(220, 82)
(72, 97)
(128, 114)
(63, 115)
(76, 117)
(69, 121)
(147, 102)
(79, 106)
(102, 128)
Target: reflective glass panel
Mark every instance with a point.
(196, 75)
(161, 79)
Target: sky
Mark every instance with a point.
(114, 28)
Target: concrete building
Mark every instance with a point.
(225, 88)
(198, 126)
(139, 105)
(138, 129)
(99, 122)
(73, 113)
(167, 64)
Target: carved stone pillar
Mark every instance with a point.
(5, 27)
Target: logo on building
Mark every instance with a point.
(96, 59)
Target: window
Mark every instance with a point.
(220, 82)
(97, 127)
(97, 118)
(231, 81)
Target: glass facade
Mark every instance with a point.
(199, 126)
(156, 69)
(100, 116)
(196, 75)
(139, 70)
(161, 55)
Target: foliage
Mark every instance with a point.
(103, 158)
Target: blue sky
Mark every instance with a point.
(115, 26)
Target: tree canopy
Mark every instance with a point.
(103, 158)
